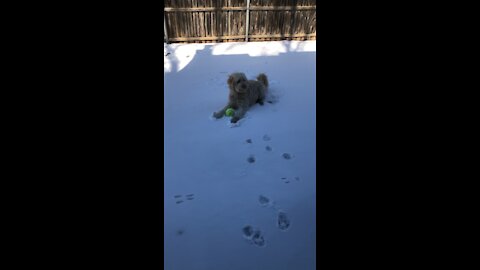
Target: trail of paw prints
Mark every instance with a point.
(253, 236)
(264, 201)
(283, 222)
(267, 138)
(267, 202)
(286, 180)
(251, 159)
(180, 199)
(286, 156)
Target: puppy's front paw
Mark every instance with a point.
(234, 119)
(217, 115)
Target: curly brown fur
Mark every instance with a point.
(243, 94)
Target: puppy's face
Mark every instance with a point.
(238, 82)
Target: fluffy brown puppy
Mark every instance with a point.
(243, 94)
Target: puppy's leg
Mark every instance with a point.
(260, 101)
(239, 114)
(221, 112)
(262, 78)
(261, 98)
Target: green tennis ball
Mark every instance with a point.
(229, 112)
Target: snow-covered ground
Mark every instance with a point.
(240, 197)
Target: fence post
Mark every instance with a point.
(165, 27)
(248, 19)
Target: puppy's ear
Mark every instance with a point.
(230, 81)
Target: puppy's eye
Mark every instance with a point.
(238, 81)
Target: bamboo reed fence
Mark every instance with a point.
(200, 21)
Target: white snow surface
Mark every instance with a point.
(207, 157)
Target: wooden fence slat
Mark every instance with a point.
(165, 28)
(247, 18)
